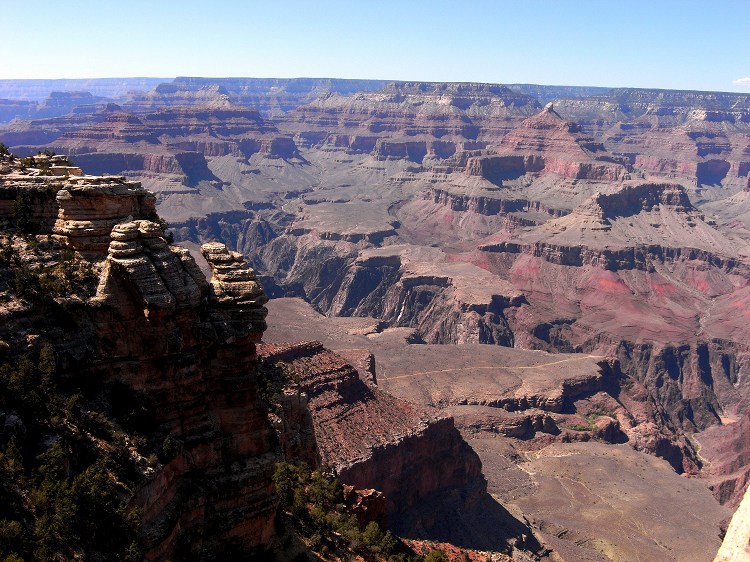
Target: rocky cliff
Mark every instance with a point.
(184, 346)
(371, 439)
(208, 399)
(419, 461)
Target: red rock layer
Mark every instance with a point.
(546, 143)
(187, 347)
(197, 365)
(372, 439)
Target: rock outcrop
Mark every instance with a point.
(189, 346)
(166, 278)
(371, 439)
(89, 207)
(431, 480)
(185, 347)
(546, 143)
(80, 211)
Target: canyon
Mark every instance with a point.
(528, 300)
(173, 357)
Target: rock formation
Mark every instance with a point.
(149, 305)
(371, 439)
(186, 346)
(418, 460)
(547, 143)
(90, 207)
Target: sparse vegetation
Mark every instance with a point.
(27, 162)
(274, 379)
(69, 449)
(22, 211)
(59, 491)
(436, 556)
(590, 424)
(314, 502)
(42, 283)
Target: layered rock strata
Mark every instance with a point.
(417, 121)
(639, 224)
(185, 347)
(189, 346)
(165, 277)
(546, 143)
(699, 138)
(371, 439)
(216, 129)
(89, 207)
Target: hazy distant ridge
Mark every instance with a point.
(37, 90)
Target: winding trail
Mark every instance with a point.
(492, 367)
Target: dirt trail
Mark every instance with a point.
(492, 367)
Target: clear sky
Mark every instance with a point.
(681, 44)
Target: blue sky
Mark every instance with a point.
(687, 44)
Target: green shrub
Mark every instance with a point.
(286, 479)
(169, 449)
(65, 492)
(7, 253)
(22, 211)
(436, 556)
(316, 499)
(27, 162)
